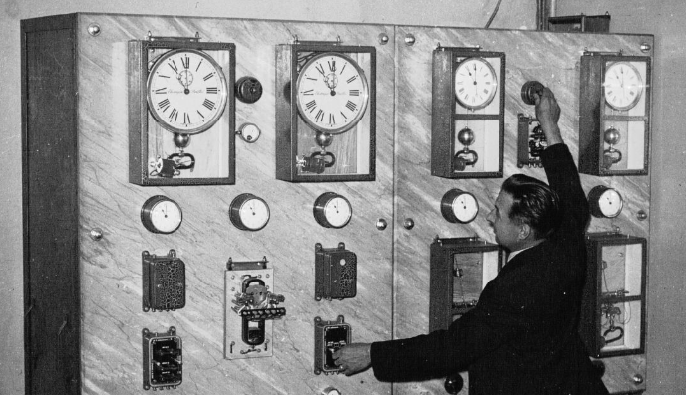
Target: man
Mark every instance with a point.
(522, 337)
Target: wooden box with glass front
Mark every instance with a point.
(460, 269)
(613, 308)
(325, 112)
(614, 114)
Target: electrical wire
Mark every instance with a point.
(495, 11)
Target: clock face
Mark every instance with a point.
(610, 203)
(605, 202)
(459, 206)
(332, 210)
(187, 91)
(249, 212)
(161, 215)
(476, 83)
(332, 93)
(623, 86)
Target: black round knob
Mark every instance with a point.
(248, 90)
(529, 90)
(453, 383)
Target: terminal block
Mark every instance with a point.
(162, 363)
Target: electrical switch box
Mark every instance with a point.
(162, 363)
(251, 306)
(164, 282)
(335, 273)
(329, 337)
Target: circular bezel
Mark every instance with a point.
(222, 93)
(321, 204)
(448, 206)
(249, 132)
(639, 86)
(595, 197)
(235, 211)
(147, 212)
(364, 94)
(494, 80)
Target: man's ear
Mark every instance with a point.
(524, 232)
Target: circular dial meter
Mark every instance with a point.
(332, 210)
(248, 212)
(458, 206)
(623, 86)
(605, 202)
(187, 91)
(332, 93)
(161, 214)
(476, 83)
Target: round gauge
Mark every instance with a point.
(623, 86)
(332, 93)
(187, 91)
(249, 132)
(160, 214)
(332, 210)
(476, 83)
(458, 206)
(248, 212)
(605, 202)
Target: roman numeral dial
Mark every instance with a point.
(623, 86)
(476, 83)
(332, 92)
(187, 91)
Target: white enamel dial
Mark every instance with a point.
(249, 132)
(459, 206)
(249, 212)
(476, 83)
(332, 210)
(605, 202)
(332, 93)
(187, 91)
(623, 86)
(161, 215)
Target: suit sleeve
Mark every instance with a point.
(441, 352)
(563, 178)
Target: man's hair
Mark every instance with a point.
(534, 203)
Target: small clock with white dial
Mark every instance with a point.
(605, 202)
(161, 214)
(458, 206)
(249, 212)
(332, 210)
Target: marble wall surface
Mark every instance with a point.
(393, 266)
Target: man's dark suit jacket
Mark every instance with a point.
(522, 336)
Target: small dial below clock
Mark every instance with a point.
(161, 214)
(605, 202)
(332, 210)
(458, 206)
(248, 212)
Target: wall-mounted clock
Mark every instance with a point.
(332, 210)
(325, 112)
(605, 202)
(332, 92)
(467, 125)
(458, 206)
(249, 212)
(181, 106)
(186, 91)
(161, 214)
(614, 117)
